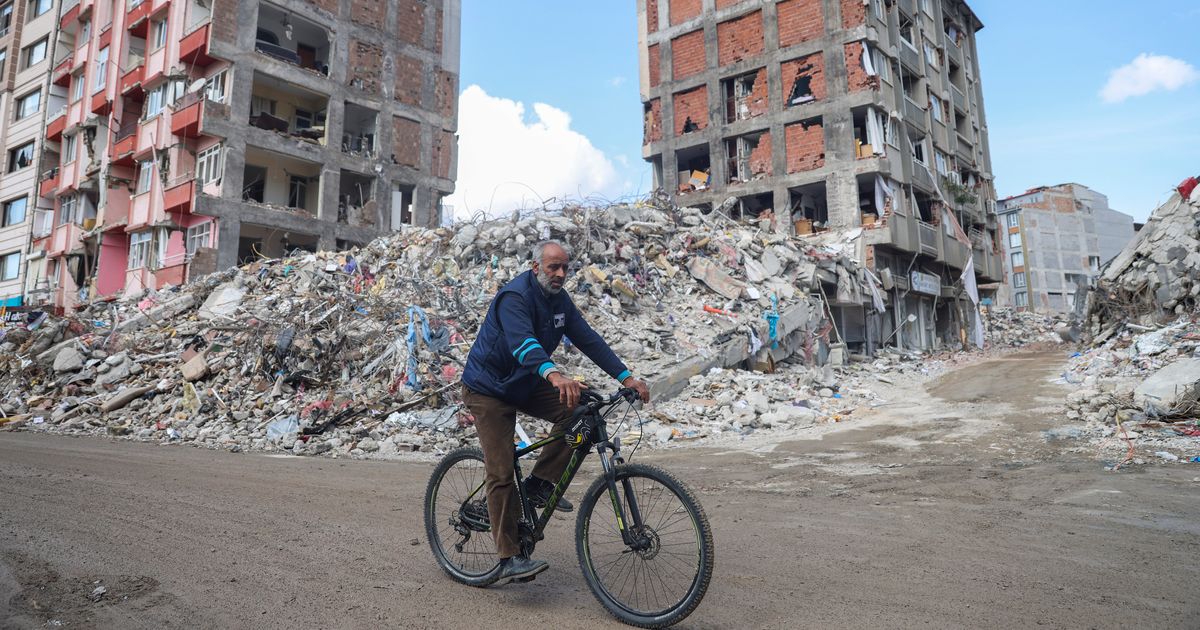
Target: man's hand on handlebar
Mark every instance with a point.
(638, 386)
(568, 389)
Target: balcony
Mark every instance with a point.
(137, 17)
(62, 72)
(921, 176)
(194, 47)
(43, 223)
(54, 128)
(131, 82)
(69, 13)
(914, 114)
(960, 100)
(125, 144)
(185, 120)
(953, 52)
(100, 103)
(178, 198)
(909, 56)
(49, 183)
(927, 234)
(964, 149)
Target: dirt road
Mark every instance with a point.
(946, 508)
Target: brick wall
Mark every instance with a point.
(805, 145)
(760, 157)
(799, 21)
(367, 12)
(858, 78)
(443, 151)
(687, 55)
(812, 66)
(408, 80)
(651, 16)
(406, 141)
(329, 5)
(365, 61)
(410, 23)
(724, 4)
(223, 31)
(652, 128)
(654, 62)
(447, 90)
(691, 104)
(759, 101)
(683, 10)
(854, 13)
(740, 38)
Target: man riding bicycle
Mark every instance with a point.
(509, 370)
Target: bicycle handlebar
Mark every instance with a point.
(591, 398)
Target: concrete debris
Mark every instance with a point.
(359, 352)
(1156, 278)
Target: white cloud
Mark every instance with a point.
(616, 81)
(1146, 74)
(505, 162)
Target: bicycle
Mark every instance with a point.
(657, 535)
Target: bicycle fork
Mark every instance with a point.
(630, 529)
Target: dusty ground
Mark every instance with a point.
(942, 509)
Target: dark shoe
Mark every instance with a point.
(520, 569)
(539, 494)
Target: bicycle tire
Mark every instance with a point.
(627, 612)
(443, 514)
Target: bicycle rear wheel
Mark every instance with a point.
(660, 581)
(456, 519)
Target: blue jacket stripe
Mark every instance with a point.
(543, 367)
(523, 344)
(521, 357)
(624, 375)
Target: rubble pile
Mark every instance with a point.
(1010, 328)
(734, 402)
(1156, 278)
(360, 351)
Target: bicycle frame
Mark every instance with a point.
(603, 444)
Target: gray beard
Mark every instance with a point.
(544, 282)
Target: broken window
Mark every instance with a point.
(919, 151)
(802, 86)
(869, 132)
(276, 105)
(292, 39)
(743, 163)
(297, 191)
(907, 32)
(933, 56)
(942, 163)
(935, 106)
(808, 208)
(690, 125)
(910, 84)
(738, 93)
(402, 206)
(356, 199)
(358, 131)
(694, 168)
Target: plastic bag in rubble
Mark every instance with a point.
(283, 430)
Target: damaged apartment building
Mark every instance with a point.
(851, 121)
(189, 136)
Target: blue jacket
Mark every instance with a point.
(522, 328)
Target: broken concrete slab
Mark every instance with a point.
(196, 368)
(68, 359)
(1173, 390)
(223, 302)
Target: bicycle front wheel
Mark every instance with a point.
(659, 578)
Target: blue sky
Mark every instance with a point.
(1044, 65)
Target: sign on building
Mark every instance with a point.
(926, 283)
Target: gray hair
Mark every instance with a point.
(540, 248)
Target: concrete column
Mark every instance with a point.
(228, 231)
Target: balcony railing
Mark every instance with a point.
(960, 99)
(928, 236)
(914, 114)
(965, 149)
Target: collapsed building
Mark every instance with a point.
(326, 351)
(851, 121)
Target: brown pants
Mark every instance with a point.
(495, 421)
